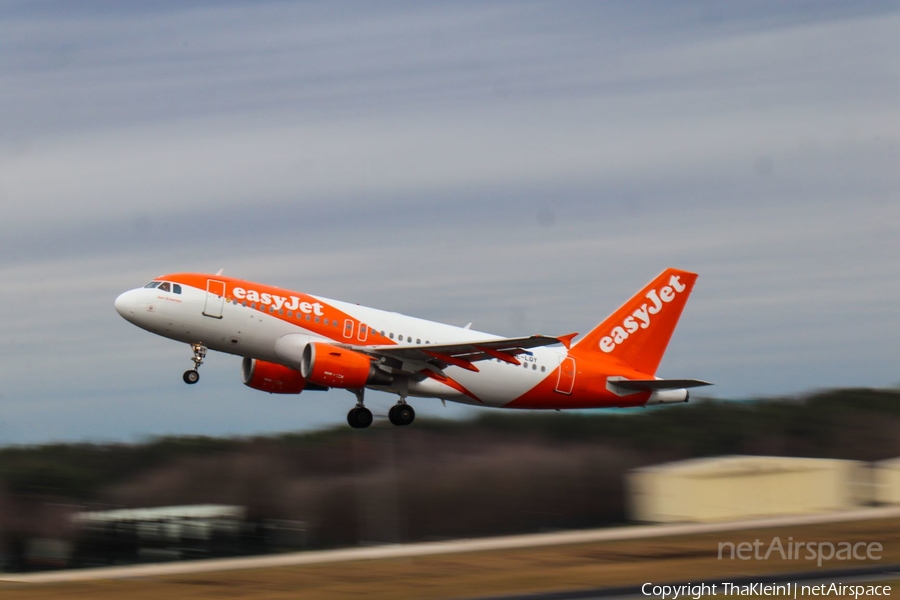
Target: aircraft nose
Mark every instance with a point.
(125, 304)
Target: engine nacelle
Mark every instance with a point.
(328, 365)
(271, 377)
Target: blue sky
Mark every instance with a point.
(524, 166)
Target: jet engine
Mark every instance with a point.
(328, 365)
(271, 377)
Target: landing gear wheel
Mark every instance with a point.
(402, 414)
(192, 376)
(359, 418)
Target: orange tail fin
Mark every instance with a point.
(639, 331)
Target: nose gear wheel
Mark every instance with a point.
(192, 376)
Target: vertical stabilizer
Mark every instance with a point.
(638, 333)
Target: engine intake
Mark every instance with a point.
(328, 365)
(271, 377)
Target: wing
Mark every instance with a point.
(415, 358)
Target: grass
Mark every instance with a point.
(480, 574)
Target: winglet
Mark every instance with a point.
(220, 271)
(566, 340)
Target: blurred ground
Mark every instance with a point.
(501, 474)
(484, 574)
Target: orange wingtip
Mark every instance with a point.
(567, 339)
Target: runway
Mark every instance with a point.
(634, 532)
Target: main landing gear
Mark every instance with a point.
(402, 414)
(360, 417)
(192, 376)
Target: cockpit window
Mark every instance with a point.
(152, 284)
(176, 288)
(165, 287)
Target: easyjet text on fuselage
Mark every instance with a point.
(279, 302)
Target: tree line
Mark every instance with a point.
(503, 472)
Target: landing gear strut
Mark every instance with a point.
(401, 414)
(360, 417)
(192, 376)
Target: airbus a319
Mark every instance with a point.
(293, 342)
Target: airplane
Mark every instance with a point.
(293, 342)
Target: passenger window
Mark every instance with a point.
(392, 336)
(543, 369)
(326, 322)
(176, 288)
(253, 305)
(165, 287)
(244, 303)
(409, 339)
(418, 340)
(290, 313)
(317, 319)
(534, 367)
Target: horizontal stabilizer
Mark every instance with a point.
(653, 385)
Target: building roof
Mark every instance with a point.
(739, 465)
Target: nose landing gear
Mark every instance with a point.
(192, 376)
(401, 414)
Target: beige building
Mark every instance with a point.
(744, 487)
(886, 481)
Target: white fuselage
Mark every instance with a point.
(241, 330)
